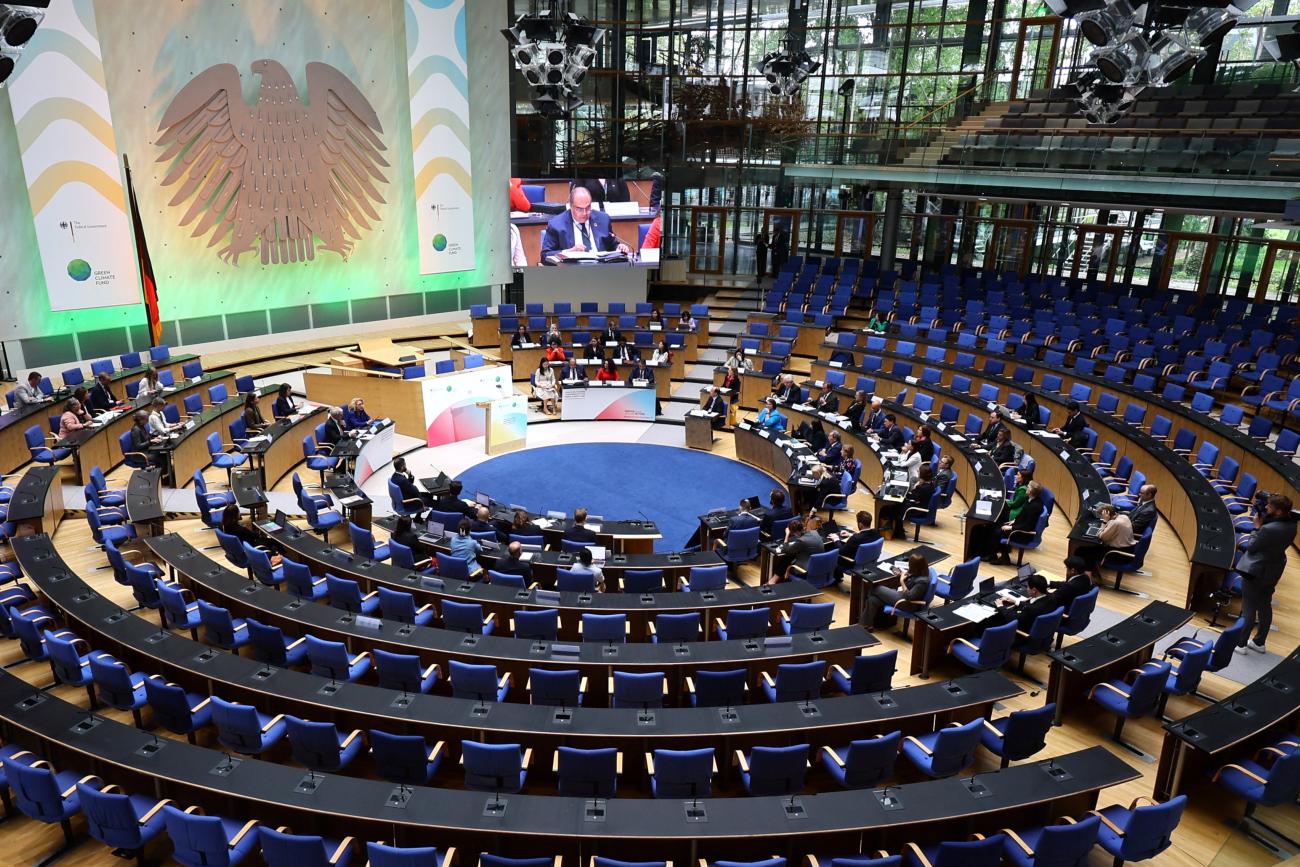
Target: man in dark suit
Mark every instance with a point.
(640, 371)
(571, 371)
(891, 435)
(579, 229)
(1261, 567)
(777, 510)
(510, 564)
(451, 501)
(1075, 425)
(624, 353)
(801, 542)
(828, 402)
(101, 397)
(717, 405)
(874, 418)
(335, 429)
(832, 454)
(612, 334)
(989, 436)
(743, 519)
(1078, 581)
(481, 522)
(865, 535)
(1144, 512)
(1025, 613)
(579, 532)
(405, 481)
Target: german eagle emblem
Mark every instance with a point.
(277, 174)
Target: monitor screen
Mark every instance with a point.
(616, 223)
(435, 528)
(482, 499)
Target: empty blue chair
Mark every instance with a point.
(795, 681)
(1221, 656)
(106, 496)
(363, 543)
(774, 770)
(740, 546)
(1018, 735)
(219, 628)
(1185, 673)
(863, 763)
(405, 759)
(541, 624)
(122, 822)
(556, 688)
(70, 665)
(280, 849)
(642, 689)
(708, 688)
(345, 595)
(569, 581)
(322, 501)
(605, 628)
(808, 617)
(643, 581)
(320, 746)
(1135, 695)
(301, 583)
(176, 710)
(1078, 616)
(209, 841)
(27, 625)
(467, 617)
(959, 583)
(404, 671)
(1270, 778)
(881, 859)
(179, 610)
(1066, 844)
(40, 453)
(1040, 636)
(410, 507)
(870, 673)
(318, 457)
(380, 855)
(991, 650)
(224, 460)
(822, 571)
(675, 627)
(503, 579)
(478, 682)
(331, 659)
(1137, 833)
(494, 767)
(242, 728)
(400, 606)
(129, 360)
(742, 623)
(682, 773)
(587, 773)
(117, 686)
(945, 752)
(986, 852)
(704, 578)
(44, 794)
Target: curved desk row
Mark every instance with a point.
(37, 500)
(206, 670)
(841, 821)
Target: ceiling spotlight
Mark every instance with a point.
(1173, 57)
(1207, 24)
(18, 23)
(553, 103)
(1101, 101)
(786, 70)
(553, 50)
(1123, 61)
(1100, 26)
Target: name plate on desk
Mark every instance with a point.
(568, 650)
(778, 642)
(547, 597)
(835, 363)
(765, 434)
(983, 509)
(431, 583)
(362, 621)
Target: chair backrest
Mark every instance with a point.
(398, 670)
(707, 578)
(873, 672)
(462, 616)
(218, 625)
(492, 767)
(683, 773)
(1146, 689)
(292, 850)
(970, 853)
(399, 758)
(678, 627)
(811, 616)
(871, 760)
(328, 658)
(1228, 641)
(1067, 844)
(36, 791)
(955, 748)
(110, 818)
(537, 625)
(868, 553)
(962, 579)
(344, 593)
(747, 622)
(1042, 631)
(720, 688)
(472, 681)
(193, 404)
(1026, 731)
(1149, 829)
(1081, 608)
(64, 659)
(777, 770)
(197, 839)
(379, 855)
(555, 688)
(800, 681)
(995, 645)
(452, 568)
(1191, 668)
(743, 544)
(643, 689)
(237, 725)
(643, 580)
(267, 642)
(587, 773)
(569, 581)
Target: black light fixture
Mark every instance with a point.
(786, 70)
(553, 49)
(18, 23)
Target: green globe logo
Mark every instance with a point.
(440, 242)
(79, 270)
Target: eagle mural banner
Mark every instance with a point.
(278, 176)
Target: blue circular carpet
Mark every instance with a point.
(671, 486)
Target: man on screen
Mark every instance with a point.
(579, 229)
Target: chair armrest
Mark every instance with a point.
(1118, 831)
(839, 669)
(344, 845)
(920, 746)
(650, 763)
(86, 780)
(718, 625)
(155, 808)
(919, 856)
(504, 681)
(767, 679)
(248, 826)
(528, 758)
(428, 606)
(271, 722)
(992, 728)
(432, 669)
(297, 641)
(834, 756)
(438, 749)
(785, 615)
(1109, 686)
(356, 733)
(690, 685)
(491, 618)
(371, 595)
(1256, 777)
(201, 705)
(741, 762)
(964, 641)
(359, 657)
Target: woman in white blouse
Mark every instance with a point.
(662, 354)
(909, 459)
(544, 386)
(158, 425)
(738, 361)
(150, 385)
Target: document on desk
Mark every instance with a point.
(542, 523)
(1044, 434)
(956, 439)
(975, 612)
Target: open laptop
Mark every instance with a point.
(482, 499)
(987, 585)
(435, 529)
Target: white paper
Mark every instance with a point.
(975, 612)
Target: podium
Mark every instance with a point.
(699, 431)
(505, 424)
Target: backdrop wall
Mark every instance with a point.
(149, 58)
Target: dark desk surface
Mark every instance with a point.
(143, 502)
(201, 668)
(283, 426)
(39, 721)
(1129, 636)
(1253, 708)
(129, 407)
(435, 644)
(306, 548)
(28, 500)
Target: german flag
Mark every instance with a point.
(146, 266)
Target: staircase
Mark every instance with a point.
(934, 151)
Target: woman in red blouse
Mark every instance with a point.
(608, 372)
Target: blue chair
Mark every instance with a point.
(214, 500)
(708, 688)
(400, 606)
(641, 689)
(28, 631)
(320, 746)
(345, 595)
(881, 859)
(176, 710)
(129, 360)
(159, 354)
(808, 617)
(124, 823)
(363, 543)
(1042, 632)
(243, 384)
(218, 394)
(280, 849)
(569, 581)
(863, 763)
(587, 773)
(201, 841)
(740, 546)
(219, 628)
(945, 752)
(242, 728)
(742, 623)
(643, 581)
(1067, 844)
(479, 682)
(704, 578)
(1137, 833)
(379, 855)
(455, 569)
(982, 852)
(405, 759)
(179, 610)
(107, 497)
(1018, 735)
(44, 794)
(1270, 778)
(404, 671)
(675, 627)
(467, 617)
(404, 558)
(774, 770)
(331, 659)
(259, 566)
(224, 460)
(270, 645)
(1078, 616)
(300, 493)
(871, 673)
(822, 571)
(570, 546)
(959, 583)
(923, 517)
(301, 583)
(606, 628)
(1137, 694)
(564, 688)
(766, 862)
(907, 609)
(318, 457)
(117, 685)
(494, 767)
(410, 507)
(1125, 560)
(991, 650)
(1185, 674)
(1023, 540)
(69, 664)
(682, 773)
(133, 459)
(1221, 656)
(795, 681)
(541, 624)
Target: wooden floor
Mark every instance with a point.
(1205, 837)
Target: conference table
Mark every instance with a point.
(36, 504)
(525, 362)
(1230, 730)
(495, 330)
(185, 451)
(739, 827)
(277, 448)
(144, 508)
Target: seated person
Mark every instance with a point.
(909, 461)
(785, 389)
(623, 352)
(918, 497)
(253, 420)
(1116, 534)
(608, 372)
(1077, 582)
(923, 443)
(824, 484)
(738, 361)
(777, 510)
(1144, 513)
(29, 393)
(716, 404)
(511, 564)
(1075, 428)
(828, 402)
(1024, 614)
(521, 525)
(833, 453)
(404, 534)
(1023, 526)
(686, 322)
(570, 372)
(482, 522)
(101, 397)
(355, 415)
(584, 564)
(640, 371)
(335, 427)
(467, 548)
(890, 435)
(915, 585)
(579, 532)
(555, 353)
(856, 412)
(1003, 452)
(663, 354)
(989, 436)
(74, 418)
(811, 432)
(593, 351)
(864, 535)
(944, 474)
(405, 481)
(451, 501)
(612, 334)
(141, 440)
(520, 337)
(801, 541)
(158, 426)
(231, 525)
(770, 418)
(284, 403)
(876, 416)
(743, 519)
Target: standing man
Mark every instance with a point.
(579, 229)
(780, 247)
(760, 254)
(1261, 568)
